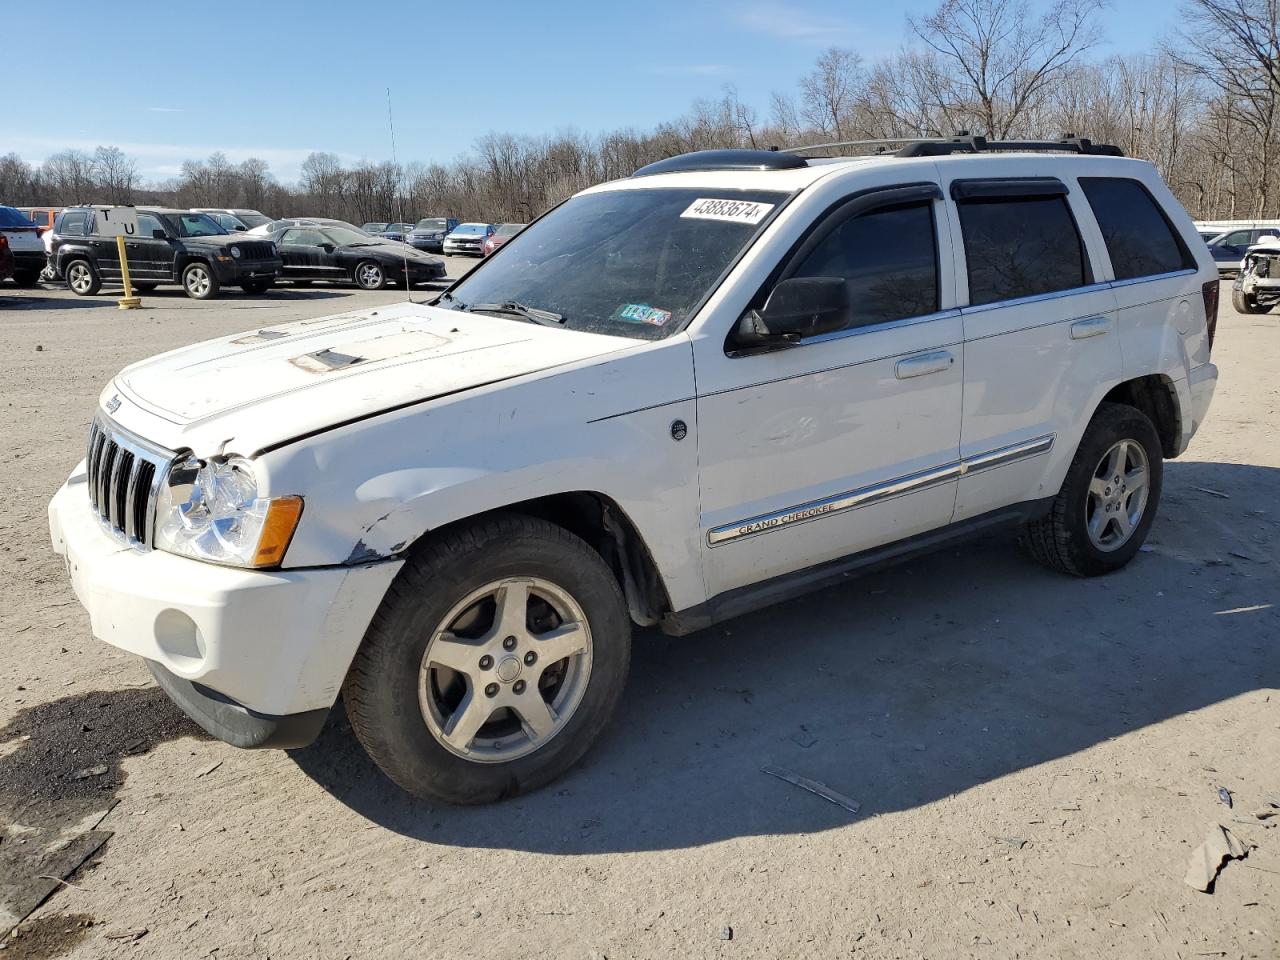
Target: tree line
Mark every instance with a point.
(1203, 105)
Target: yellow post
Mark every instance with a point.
(128, 301)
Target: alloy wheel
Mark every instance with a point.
(197, 281)
(1117, 495)
(80, 277)
(505, 670)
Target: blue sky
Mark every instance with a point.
(167, 82)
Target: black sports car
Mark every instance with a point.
(342, 254)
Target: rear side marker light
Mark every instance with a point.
(1209, 290)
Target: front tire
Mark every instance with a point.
(82, 278)
(1107, 503)
(369, 275)
(497, 657)
(199, 281)
(1246, 302)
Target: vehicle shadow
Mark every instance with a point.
(899, 689)
(32, 300)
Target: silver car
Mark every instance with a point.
(468, 238)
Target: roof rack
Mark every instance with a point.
(723, 160)
(967, 143)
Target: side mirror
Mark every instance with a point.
(327, 247)
(797, 308)
(159, 234)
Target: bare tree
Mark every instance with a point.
(115, 174)
(828, 92)
(1234, 47)
(1001, 58)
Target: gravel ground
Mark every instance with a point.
(1036, 757)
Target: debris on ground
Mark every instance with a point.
(88, 772)
(1216, 493)
(126, 935)
(1219, 846)
(726, 933)
(803, 737)
(208, 770)
(1224, 795)
(814, 787)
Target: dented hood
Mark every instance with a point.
(269, 385)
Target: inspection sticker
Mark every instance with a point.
(734, 211)
(642, 313)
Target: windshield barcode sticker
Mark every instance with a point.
(734, 211)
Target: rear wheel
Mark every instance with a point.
(82, 279)
(495, 660)
(369, 275)
(199, 281)
(26, 278)
(1108, 501)
(1246, 302)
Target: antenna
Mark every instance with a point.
(408, 287)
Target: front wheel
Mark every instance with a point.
(82, 279)
(370, 275)
(199, 281)
(1246, 302)
(495, 660)
(1108, 501)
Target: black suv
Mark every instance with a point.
(171, 246)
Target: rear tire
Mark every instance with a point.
(82, 279)
(1246, 302)
(1098, 522)
(458, 693)
(26, 278)
(369, 275)
(199, 281)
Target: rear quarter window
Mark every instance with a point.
(1139, 237)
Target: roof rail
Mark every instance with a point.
(723, 160)
(966, 143)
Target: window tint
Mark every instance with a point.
(73, 223)
(1138, 237)
(888, 260)
(1020, 247)
(147, 224)
(309, 238)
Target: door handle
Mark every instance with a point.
(923, 365)
(1090, 327)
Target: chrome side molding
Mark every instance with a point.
(874, 493)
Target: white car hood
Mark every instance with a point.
(257, 389)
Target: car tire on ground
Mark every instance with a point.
(257, 286)
(82, 278)
(369, 275)
(1109, 499)
(495, 660)
(1246, 302)
(143, 286)
(199, 281)
(26, 278)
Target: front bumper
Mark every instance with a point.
(266, 646)
(231, 271)
(472, 249)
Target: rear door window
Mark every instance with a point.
(74, 223)
(1138, 236)
(1020, 247)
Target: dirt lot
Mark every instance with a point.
(1035, 757)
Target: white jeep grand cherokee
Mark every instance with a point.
(673, 399)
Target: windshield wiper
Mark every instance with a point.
(515, 308)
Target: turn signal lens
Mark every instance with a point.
(277, 530)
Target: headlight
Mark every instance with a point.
(235, 252)
(212, 511)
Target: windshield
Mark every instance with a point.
(250, 219)
(509, 229)
(344, 237)
(476, 228)
(374, 227)
(196, 225)
(432, 223)
(9, 217)
(632, 263)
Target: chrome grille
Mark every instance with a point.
(125, 473)
(255, 250)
